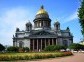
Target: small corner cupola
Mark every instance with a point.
(17, 29)
(28, 26)
(13, 36)
(67, 29)
(57, 25)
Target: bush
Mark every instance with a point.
(12, 49)
(17, 49)
(67, 53)
(20, 50)
(26, 49)
(50, 48)
(30, 56)
(54, 48)
(63, 47)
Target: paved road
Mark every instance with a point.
(78, 57)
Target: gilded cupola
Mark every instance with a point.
(42, 11)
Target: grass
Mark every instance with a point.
(31, 55)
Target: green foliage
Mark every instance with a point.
(76, 46)
(2, 47)
(50, 48)
(58, 47)
(26, 49)
(54, 48)
(12, 49)
(30, 56)
(81, 16)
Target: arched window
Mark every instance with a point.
(21, 44)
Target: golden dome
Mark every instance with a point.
(42, 11)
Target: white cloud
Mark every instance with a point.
(10, 19)
(72, 17)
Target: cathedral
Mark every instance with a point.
(42, 34)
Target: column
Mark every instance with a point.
(52, 41)
(48, 41)
(38, 23)
(33, 44)
(37, 44)
(41, 44)
(35, 24)
(43, 23)
(45, 42)
(56, 41)
(47, 23)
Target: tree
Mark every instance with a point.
(2, 47)
(81, 16)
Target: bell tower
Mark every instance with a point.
(28, 26)
(57, 26)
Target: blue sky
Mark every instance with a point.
(15, 13)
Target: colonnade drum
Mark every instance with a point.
(41, 43)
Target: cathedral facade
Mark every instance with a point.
(42, 35)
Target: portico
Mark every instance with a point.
(41, 43)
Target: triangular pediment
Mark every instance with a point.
(43, 33)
